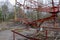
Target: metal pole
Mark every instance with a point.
(54, 13)
(59, 6)
(13, 36)
(46, 34)
(53, 3)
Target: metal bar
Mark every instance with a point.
(13, 36)
(46, 34)
(59, 5)
(59, 2)
(40, 20)
(24, 36)
(53, 3)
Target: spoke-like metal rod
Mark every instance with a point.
(54, 13)
(53, 3)
(59, 5)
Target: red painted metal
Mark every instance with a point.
(42, 20)
(22, 36)
(40, 8)
(53, 10)
(13, 36)
(46, 34)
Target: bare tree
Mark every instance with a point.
(5, 11)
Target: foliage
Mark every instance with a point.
(0, 14)
(11, 16)
(4, 12)
(4, 7)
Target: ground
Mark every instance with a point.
(7, 34)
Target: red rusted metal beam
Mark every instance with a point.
(24, 36)
(45, 19)
(45, 9)
(13, 36)
(54, 28)
(46, 34)
(40, 9)
(42, 20)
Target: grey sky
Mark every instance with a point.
(21, 1)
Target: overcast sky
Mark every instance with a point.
(21, 1)
(12, 2)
